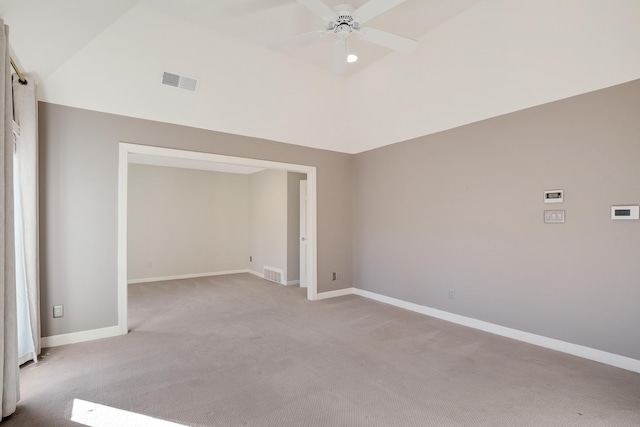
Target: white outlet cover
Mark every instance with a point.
(58, 311)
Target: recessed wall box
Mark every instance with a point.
(625, 212)
(554, 196)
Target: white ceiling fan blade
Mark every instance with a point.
(373, 8)
(320, 8)
(299, 39)
(388, 40)
(340, 56)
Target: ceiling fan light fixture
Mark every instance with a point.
(342, 20)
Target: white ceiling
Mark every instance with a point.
(264, 22)
(62, 27)
(45, 34)
(475, 59)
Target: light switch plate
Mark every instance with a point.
(554, 217)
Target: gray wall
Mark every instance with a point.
(268, 220)
(457, 210)
(185, 221)
(79, 205)
(463, 210)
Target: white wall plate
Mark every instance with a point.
(554, 196)
(554, 217)
(625, 212)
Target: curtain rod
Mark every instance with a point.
(21, 78)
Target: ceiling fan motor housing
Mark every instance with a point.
(344, 23)
(343, 30)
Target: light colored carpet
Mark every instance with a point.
(240, 351)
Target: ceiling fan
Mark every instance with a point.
(344, 20)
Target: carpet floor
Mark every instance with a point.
(237, 350)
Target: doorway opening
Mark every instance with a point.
(175, 157)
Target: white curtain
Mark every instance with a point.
(10, 392)
(26, 219)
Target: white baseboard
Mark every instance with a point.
(186, 276)
(293, 282)
(539, 340)
(334, 294)
(76, 337)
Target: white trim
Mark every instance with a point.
(123, 179)
(76, 337)
(184, 276)
(292, 282)
(336, 293)
(123, 170)
(539, 340)
(312, 237)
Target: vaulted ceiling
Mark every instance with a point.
(256, 22)
(475, 59)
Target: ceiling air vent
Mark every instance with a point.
(182, 82)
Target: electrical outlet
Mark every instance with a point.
(335, 276)
(452, 294)
(58, 311)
